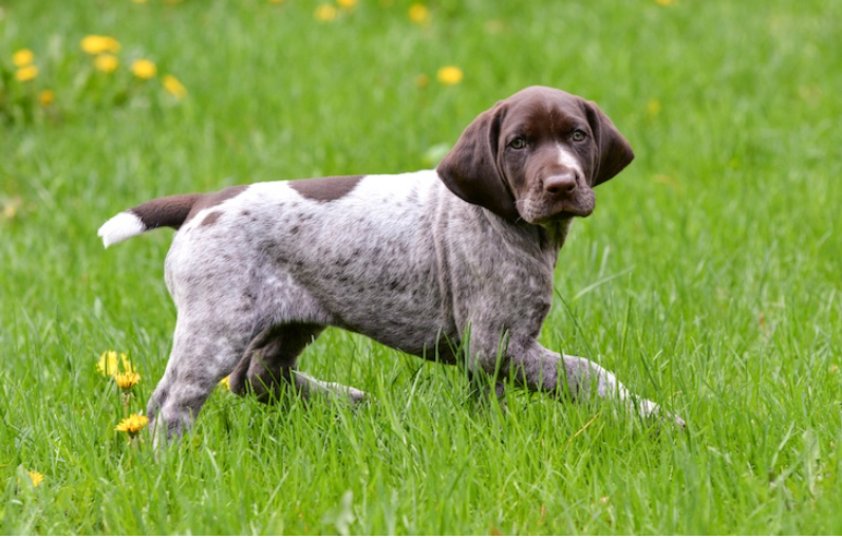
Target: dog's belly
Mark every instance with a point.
(399, 316)
(379, 295)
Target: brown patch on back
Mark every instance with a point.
(211, 217)
(325, 189)
(170, 211)
(212, 199)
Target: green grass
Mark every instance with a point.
(708, 279)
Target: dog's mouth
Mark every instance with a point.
(580, 204)
(574, 211)
(548, 213)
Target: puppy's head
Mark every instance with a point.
(536, 156)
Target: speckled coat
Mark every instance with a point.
(453, 264)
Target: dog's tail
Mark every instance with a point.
(169, 211)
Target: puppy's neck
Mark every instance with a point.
(553, 234)
(541, 241)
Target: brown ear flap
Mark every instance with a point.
(614, 151)
(470, 170)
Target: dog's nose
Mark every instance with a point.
(560, 183)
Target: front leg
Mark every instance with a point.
(542, 370)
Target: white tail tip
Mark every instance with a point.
(120, 227)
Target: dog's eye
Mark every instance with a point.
(578, 135)
(518, 142)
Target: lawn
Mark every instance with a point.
(709, 278)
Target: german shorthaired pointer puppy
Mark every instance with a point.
(453, 264)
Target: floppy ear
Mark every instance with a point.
(470, 170)
(613, 151)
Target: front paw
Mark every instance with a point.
(648, 408)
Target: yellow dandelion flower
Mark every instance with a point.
(112, 44)
(36, 478)
(347, 4)
(128, 367)
(127, 380)
(225, 382)
(144, 69)
(174, 87)
(325, 13)
(419, 14)
(25, 74)
(132, 424)
(46, 97)
(92, 44)
(23, 57)
(99, 44)
(449, 75)
(665, 3)
(107, 363)
(107, 63)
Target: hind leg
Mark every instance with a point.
(269, 361)
(202, 354)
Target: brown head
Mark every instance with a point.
(536, 156)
